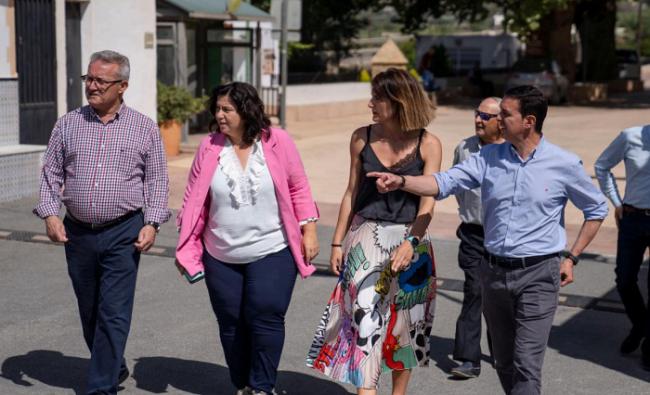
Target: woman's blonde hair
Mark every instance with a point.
(411, 104)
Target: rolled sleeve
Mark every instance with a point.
(156, 180)
(52, 176)
(585, 196)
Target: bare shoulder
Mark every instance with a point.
(358, 139)
(430, 143)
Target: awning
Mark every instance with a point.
(218, 9)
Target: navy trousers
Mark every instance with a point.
(633, 240)
(103, 265)
(250, 301)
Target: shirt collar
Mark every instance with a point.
(539, 150)
(118, 113)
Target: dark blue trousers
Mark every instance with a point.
(633, 240)
(103, 265)
(250, 301)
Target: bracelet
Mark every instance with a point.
(403, 181)
(336, 245)
(308, 220)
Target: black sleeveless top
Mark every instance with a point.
(396, 206)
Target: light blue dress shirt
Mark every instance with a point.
(632, 146)
(523, 200)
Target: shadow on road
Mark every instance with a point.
(158, 374)
(595, 336)
(49, 367)
(153, 374)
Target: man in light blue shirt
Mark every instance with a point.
(632, 214)
(525, 185)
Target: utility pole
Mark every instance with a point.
(283, 63)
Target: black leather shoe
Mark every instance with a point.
(631, 342)
(466, 370)
(124, 374)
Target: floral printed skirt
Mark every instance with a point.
(374, 321)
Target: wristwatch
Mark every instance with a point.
(415, 242)
(155, 225)
(572, 258)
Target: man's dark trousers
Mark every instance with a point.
(633, 240)
(467, 345)
(103, 265)
(519, 306)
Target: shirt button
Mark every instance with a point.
(92, 204)
(102, 146)
(96, 184)
(99, 165)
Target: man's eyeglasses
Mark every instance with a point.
(101, 83)
(484, 116)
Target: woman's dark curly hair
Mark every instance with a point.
(248, 105)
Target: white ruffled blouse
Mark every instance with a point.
(244, 223)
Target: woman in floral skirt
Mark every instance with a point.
(380, 314)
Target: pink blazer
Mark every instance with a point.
(291, 190)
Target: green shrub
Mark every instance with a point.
(177, 103)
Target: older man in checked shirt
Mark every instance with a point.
(106, 163)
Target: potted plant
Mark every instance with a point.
(175, 106)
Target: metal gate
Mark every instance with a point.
(36, 62)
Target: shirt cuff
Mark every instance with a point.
(158, 215)
(308, 220)
(44, 210)
(443, 190)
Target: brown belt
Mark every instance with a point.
(633, 210)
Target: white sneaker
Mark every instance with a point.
(244, 391)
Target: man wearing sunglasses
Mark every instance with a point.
(106, 163)
(467, 345)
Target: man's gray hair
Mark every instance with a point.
(495, 98)
(113, 57)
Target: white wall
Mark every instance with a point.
(7, 41)
(61, 66)
(120, 25)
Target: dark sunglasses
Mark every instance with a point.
(484, 116)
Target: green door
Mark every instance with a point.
(215, 65)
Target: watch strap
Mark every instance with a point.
(414, 240)
(572, 258)
(155, 225)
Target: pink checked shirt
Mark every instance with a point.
(102, 171)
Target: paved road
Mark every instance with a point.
(173, 346)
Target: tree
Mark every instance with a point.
(544, 24)
(596, 22)
(332, 24)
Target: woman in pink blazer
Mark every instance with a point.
(248, 224)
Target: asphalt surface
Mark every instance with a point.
(173, 346)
